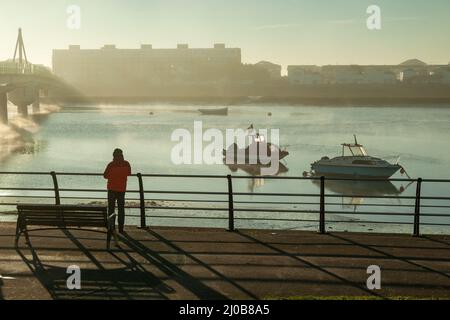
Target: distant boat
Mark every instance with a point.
(252, 153)
(355, 162)
(215, 111)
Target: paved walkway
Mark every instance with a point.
(181, 263)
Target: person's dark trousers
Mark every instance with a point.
(114, 196)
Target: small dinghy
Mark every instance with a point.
(215, 111)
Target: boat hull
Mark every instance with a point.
(217, 112)
(355, 171)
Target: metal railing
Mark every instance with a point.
(231, 202)
(28, 68)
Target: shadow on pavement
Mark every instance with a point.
(130, 281)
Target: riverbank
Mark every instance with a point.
(269, 101)
(190, 263)
(312, 95)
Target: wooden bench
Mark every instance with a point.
(64, 216)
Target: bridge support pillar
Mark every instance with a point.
(3, 108)
(23, 110)
(37, 104)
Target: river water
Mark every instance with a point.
(81, 138)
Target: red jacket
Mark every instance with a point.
(117, 173)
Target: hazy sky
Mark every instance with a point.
(282, 31)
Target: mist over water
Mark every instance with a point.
(81, 138)
(20, 131)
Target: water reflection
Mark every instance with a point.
(356, 190)
(255, 170)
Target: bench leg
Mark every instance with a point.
(20, 227)
(18, 232)
(27, 236)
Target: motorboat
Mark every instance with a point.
(214, 111)
(355, 162)
(258, 152)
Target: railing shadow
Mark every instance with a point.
(197, 287)
(311, 265)
(132, 281)
(201, 263)
(390, 256)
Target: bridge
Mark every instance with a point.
(22, 82)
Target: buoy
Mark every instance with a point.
(269, 114)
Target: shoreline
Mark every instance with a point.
(332, 94)
(263, 102)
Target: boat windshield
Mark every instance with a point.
(353, 150)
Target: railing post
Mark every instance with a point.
(322, 206)
(141, 200)
(416, 232)
(230, 204)
(56, 188)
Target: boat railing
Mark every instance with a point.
(228, 204)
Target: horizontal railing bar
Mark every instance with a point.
(27, 197)
(434, 198)
(186, 192)
(371, 213)
(206, 176)
(226, 218)
(367, 196)
(367, 222)
(275, 210)
(327, 178)
(187, 208)
(388, 214)
(24, 173)
(278, 219)
(388, 222)
(95, 198)
(188, 200)
(91, 190)
(276, 194)
(187, 217)
(242, 202)
(27, 189)
(235, 193)
(224, 176)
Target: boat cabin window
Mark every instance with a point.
(353, 150)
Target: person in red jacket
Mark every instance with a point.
(117, 173)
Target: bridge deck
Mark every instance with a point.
(176, 263)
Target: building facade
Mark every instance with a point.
(109, 69)
(274, 70)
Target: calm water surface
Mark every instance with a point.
(81, 139)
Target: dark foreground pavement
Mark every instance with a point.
(181, 263)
